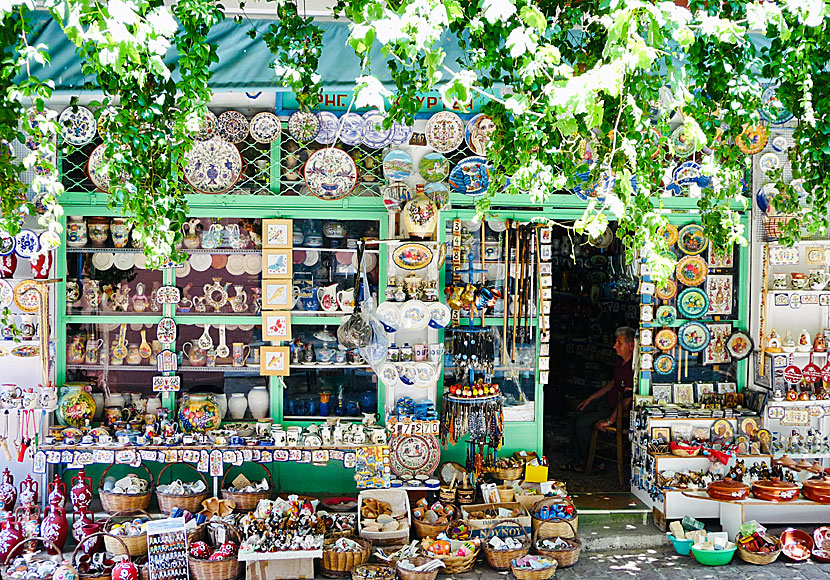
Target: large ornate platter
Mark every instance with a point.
(445, 131)
(667, 290)
(471, 176)
(772, 110)
(401, 133)
(694, 336)
(411, 455)
(303, 126)
(374, 135)
(27, 296)
(691, 270)
(397, 165)
(265, 127)
(412, 256)
(664, 364)
(477, 133)
(233, 127)
(213, 166)
(693, 303)
(665, 339)
(78, 126)
(99, 178)
(330, 174)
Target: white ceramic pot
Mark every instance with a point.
(99, 406)
(420, 217)
(153, 405)
(222, 403)
(237, 405)
(259, 402)
(115, 400)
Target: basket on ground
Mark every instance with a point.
(553, 527)
(509, 473)
(18, 548)
(247, 500)
(191, 502)
(335, 564)
(227, 569)
(416, 574)
(534, 573)
(501, 559)
(104, 574)
(135, 545)
(565, 556)
(373, 572)
(114, 503)
(758, 558)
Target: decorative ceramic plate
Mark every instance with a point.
(213, 166)
(769, 162)
(666, 291)
(27, 296)
(388, 374)
(477, 133)
(665, 339)
(424, 375)
(389, 314)
(779, 143)
(691, 270)
(752, 139)
(26, 351)
(207, 130)
(412, 256)
(414, 315)
(691, 240)
(471, 176)
(232, 127)
(124, 261)
(6, 293)
(439, 315)
(103, 260)
(351, 129)
(374, 135)
(694, 336)
(7, 243)
(397, 165)
(771, 109)
(265, 127)
(303, 126)
(330, 173)
(78, 125)
(235, 265)
(99, 178)
(739, 345)
(670, 234)
(445, 131)
(439, 194)
(693, 303)
(329, 125)
(401, 133)
(406, 373)
(26, 243)
(253, 265)
(683, 144)
(434, 167)
(664, 364)
(104, 118)
(666, 315)
(200, 262)
(411, 455)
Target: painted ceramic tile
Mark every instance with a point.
(277, 233)
(277, 263)
(274, 360)
(719, 289)
(716, 352)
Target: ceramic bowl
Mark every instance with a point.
(728, 489)
(774, 490)
(817, 489)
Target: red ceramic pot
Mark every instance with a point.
(125, 570)
(29, 491)
(728, 489)
(55, 526)
(10, 535)
(57, 492)
(82, 518)
(774, 490)
(817, 489)
(41, 264)
(8, 493)
(81, 493)
(94, 544)
(8, 264)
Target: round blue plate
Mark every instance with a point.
(471, 176)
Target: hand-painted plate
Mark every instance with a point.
(664, 364)
(397, 165)
(233, 127)
(26, 243)
(666, 315)
(7, 243)
(691, 240)
(477, 133)
(694, 336)
(351, 129)
(303, 126)
(772, 111)
(439, 193)
(389, 374)
(693, 303)
(434, 167)
(26, 351)
(412, 256)
(691, 270)
(683, 143)
(374, 135)
(213, 166)
(99, 178)
(670, 234)
(665, 339)
(411, 455)
(424, 375)
(445, 131)
(471, 176)
(769, 162)
(78, 125)
(439, 314)
(265, 127)
(207, 130)
(27, 296)
(666, 291)
(389, 314)
(739, 345)
(752, 139)
(329, 125)
(6, 293)
(330, 173)
(401, 133)
(414, 315)
(104, 118)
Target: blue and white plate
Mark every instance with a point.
(303, 126)
(351, 132)
(439, 315)
(265, 127)
(397, 165)
(7, 243)
(329, 125)
(401, 133)
(471, 176)
(233, 127)
(374, 135)
(78, 126)
(389, 374)
(27, 243)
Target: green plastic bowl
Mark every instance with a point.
(714, 557)
(682, 547)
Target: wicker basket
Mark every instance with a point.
(114, 503)
(227, 569)
(425, 530)
(337, 564)
(501, 559)
(105, 575)
(373, 572)
(191, 502)
(564, 558)
(466, 495)
(22, 544)
(446, 494)
(527, 458)
(246, 501)
(456, 564)
(136, 545)
(413, 575)
(760, 559)
(553, 527)
(510, 473)
(528, 501)
(774, 225)
(534, 573)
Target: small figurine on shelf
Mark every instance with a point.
(818, 343)
(391, 289)
(239, 302)
(804, 343)
(256, 305)
(92, 295)
(154, 306)
(773, 342)
(788, 345)
(140, 301)
(308, 354)
(186, 303)
(121, 298)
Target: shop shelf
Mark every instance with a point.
(803, 455)
(93, 249)
(306, 317)
(330, 366)
(222, 251)
(227, 369)
(218, 318)
(823, 403)
(112, 317)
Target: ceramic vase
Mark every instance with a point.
(99, 405)
(81, 493)
(55, 526)
(76, 406)
(8, 493)
(259, 402)
(153, 405)
(10, 536)
(28, 492)
(237, 405)
(222, 402)
(57, 492)
(199, 412)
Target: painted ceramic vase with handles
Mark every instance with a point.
(55, 526)
(75, 406)
(259, 402)
(41, 263)
(82, 518)
(125, 570)
(195, 355)
(57, 492)
(29, 492)
(80, 496)
(8, 493)
(10, 535)
(199, 413)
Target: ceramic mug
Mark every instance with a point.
(240, 354)
(420, 352)
(327, 296)
(120, 232)
(345, 299)
(819, 279)
(211, 357)
(93, 351)
(436, 352)
(798, 280)
(8, 392)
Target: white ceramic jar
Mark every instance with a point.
(259, 402)
(237, 405)
(222, 403)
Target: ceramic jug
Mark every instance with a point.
(195, 355)
(76, 350)
(133, 354)
(327, 296)
(94, 544)
(345, 299)
(29, 491)
(8, 493)
(76, 232)
(57, 492)
(10, 536)
(55, 526)
(82, 518)
(191, 233)
(81, 493)
(239, 303)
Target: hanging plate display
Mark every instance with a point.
(424, 375)
(351, 129)
(445, 131)
(401, 133)
(414, 315)
(694, 336)
(99, 178)
(769, 162)
(388, 374)
(772, 110)
(7, 243)
(207, 129)
(27, 296)
(26, 243)
(303, 126)
(265, 127)
(434, 167)
(374, 134)
(389, 315)
(477, 133)
(471, 176)
(329, 125)
(664, 364)
(693, 303)
(411, 455)
(666, 315)
(213, 166)
(78, 126)
(669, 234)
(753, 139)
(412, 256)
(232, 127)
(439, 314)
(665, 339)
(691, 270)
(439, 194)
(330, 174)
(397, 165)
(104, 119)
(739, 345)
(6, 293)
(683, 143)
(691, 240)
(666, 291)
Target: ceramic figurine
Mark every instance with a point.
(214, 289)
(818, 343)
(140, 301)
(239, 303)
(154, 306)
(788, 345)
(391, 288)
(804, 343)
(92, 294)
(121, 298)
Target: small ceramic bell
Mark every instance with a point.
(804, 343)
(789, 343)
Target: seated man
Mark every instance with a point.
(601, 407)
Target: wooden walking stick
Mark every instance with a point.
(505, 298)
(516, 302)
